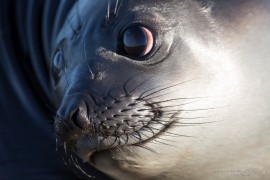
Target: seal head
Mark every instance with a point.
(132, 84)
(118, 74)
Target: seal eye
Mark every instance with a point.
(58, 63)
(137, 41)
(58, 60)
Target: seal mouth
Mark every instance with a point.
(90, 145)
(141, 143)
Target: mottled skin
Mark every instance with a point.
(196, 108)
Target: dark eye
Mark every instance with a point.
(137, 41)
(58, 63)
(57, 59)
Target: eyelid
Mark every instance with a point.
(150, 40)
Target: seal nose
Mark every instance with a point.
(79, 117)
(74, 115)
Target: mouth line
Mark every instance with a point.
(140, 143)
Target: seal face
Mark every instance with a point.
(112, 78)
(127, 78)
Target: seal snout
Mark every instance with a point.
(116, 121)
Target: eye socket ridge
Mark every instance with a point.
(136, 42)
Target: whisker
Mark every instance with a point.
(147, 99)
(198, 123)
(166, 112)
(179, 135)
(185, 118)
(74, 163)
(113, 142)
(119, 141)
(65, 148)
(108, 89)
(162, 107)
(179, 125)
(175, 99)
(63, 159)
(145, 147)
(160, 122)
(108, 11)
(134, 115)
(69, 161)
(79, 167)
(183, 123)
(116, 7)
(139, 85)
(140, 137)
(109, 95)
(145, 135)
(166, 139)
(126, 139)
(162, 89)
(127, 81)
(92, 95)
(146, 129)
(85, 57)
(200, 109)
(151, 89)
(155, 140)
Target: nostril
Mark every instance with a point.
(75, 118)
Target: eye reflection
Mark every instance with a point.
(137, 41)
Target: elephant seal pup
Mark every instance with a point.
(164, 89)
